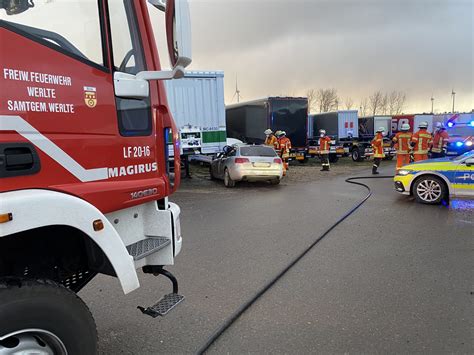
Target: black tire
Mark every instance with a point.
(49, 307)
(355, 154)
(333, 158)
(228, 182)
(210, 173)
(430, 190)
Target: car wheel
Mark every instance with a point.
(44, 318)
(275, 182)
(430, 190)
(211, 173)
(228, 182)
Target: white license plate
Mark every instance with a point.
(261, 165)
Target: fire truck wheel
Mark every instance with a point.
(43, 317)
(228, 182)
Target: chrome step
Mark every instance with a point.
(163, 306)
(147, 246)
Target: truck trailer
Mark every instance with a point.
(341, 126)
(197, 106)
(248, 120)
(84, 179)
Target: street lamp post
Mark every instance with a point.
(453, 94)
(432, 103)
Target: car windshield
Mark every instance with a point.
(257, 151)
(463, 156)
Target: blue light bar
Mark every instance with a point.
(458, 144)
(450, 124)
(471, 123)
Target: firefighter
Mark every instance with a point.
(285, 147)
(421, 142)
(271, 140)
(440, 142)
(324, 147)
(402, 142)
(377, 146)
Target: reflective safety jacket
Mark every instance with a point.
(324, 145)
(422, 141)
(440, 141)
(377, 146)
(284, 146)
(402, 142)
(272, 141)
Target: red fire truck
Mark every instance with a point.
(84, 171)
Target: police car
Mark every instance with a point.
(435, 180)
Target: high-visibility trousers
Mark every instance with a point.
(402, 159)
(419, 157)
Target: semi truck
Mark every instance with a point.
(197, 105)
(351, 135)
(84, 179)
(248, 120)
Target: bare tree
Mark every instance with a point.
(401, 100)
(384, 105)
(364, 107)
(375, 102)
(392, 102)
(312, 96)
(327, 100)
(349, 103)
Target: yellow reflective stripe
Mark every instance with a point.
(440, 167)
(463, 186)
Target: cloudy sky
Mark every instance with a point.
(276, 47)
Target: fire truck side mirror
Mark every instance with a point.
(129, 86)
(178, 30)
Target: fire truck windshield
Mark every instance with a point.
(71, 25)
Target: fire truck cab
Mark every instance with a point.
(84, 169)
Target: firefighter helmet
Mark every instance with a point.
(268, 131)
(405, 127)
(322, 131)
(380, 130)
(423, 124)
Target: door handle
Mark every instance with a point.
(17, 159)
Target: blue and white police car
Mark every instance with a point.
(434, 181)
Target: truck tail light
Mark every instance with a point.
(241, 160)
(277, 160)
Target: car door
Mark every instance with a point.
(464, 178)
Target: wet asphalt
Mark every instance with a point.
(395, 277)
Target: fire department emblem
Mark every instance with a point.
(90, 96)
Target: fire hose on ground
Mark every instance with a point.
(245, 306)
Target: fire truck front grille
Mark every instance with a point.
(147, 246)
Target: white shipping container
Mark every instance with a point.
(197, 106)
(348, 123)
(385, 122)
